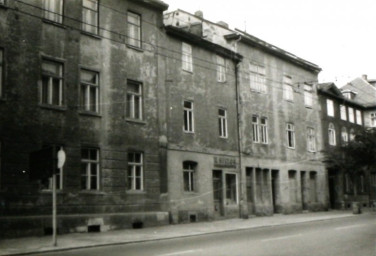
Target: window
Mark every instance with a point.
(51, 92)
(222, 121)
(260, 129)
(329, 107)
(134, 100)
(134, 29)
(264, 130)
(362, 185)
(90, 169)
(189, 169)
(187, 57)
(90, 16)
(188, 116)
(344, 135)
(1, 72)
(53, 10)
(358, 117)
(343, 112)
(351, 115)
(135, 171)
(313, 186)
(255, 129)
(348, 183)
(293, 188)
(290, 131)
(257, 78)
(311, 139)
(352, 134)
(373, 119)
(288, 91)
(308, 96)
(89, 90)
(221, 69)
(231, 189)
(332, 135)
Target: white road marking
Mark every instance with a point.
(352, 226)
(180, 253)
(280, 238)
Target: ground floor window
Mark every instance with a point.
(189, 169)
(89, 168)
(231, 189)
(293, 186)
(135, 171)
(313, 186)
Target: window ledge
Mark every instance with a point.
(187, 132)
(188, 71)
(57, 24)
(87, 113)
(224, 138)
(291, 101)
(135, 121)
(308, 106)
(49, 191)
(290, 148)
(187, 193)
(96, 36)
(136, 192)
(139, 49)
(53, 107)
(92, 192)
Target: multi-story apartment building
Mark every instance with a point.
(341, 119)
(81, 75)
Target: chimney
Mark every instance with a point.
(223, 24)
(364, 77)
(199, 14)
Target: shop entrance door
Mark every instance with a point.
(218, 193)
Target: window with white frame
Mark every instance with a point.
(221, 69)
(290, 135)
(231, 189)
(90, 16)
(351, 115)
(373, 119)
(90, 169)
(260, 129)
(308, 95)
(1, 72)
(358, 117)
(134, 100)
(189, 170)
(255, 129)
(288, 90)
(89, 90)
(257, 78)
(264, 130)
(329, 107)
(187, 64)
(343, 112)
(332, 135)
(344, 135)
(135, 171)
(188, 116)
(352, 134)
(311, 139)
(222, 122)
(52, 92)
(53, 10)
(134, 29)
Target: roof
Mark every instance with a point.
(366, 93)
(154, 3)
(332, 90)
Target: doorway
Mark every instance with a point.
(218, 193)
(275, 190)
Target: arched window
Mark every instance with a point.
(332, 135)
(189, 170)
(344, 135)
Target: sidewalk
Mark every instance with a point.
(81, 240)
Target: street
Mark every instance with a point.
(345, 236)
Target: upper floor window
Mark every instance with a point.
(311, 139)
(135, 171)
(332, 135)
(290, 135)
(222, 121)
(359, 117)
(188, 117)
(89, 168)
(344, 135)
(373, 119)
(257, 78)
(187, 57)
(1, 72)
(288, 90)
(134, 100)
(134, 29)
(221, 69)
(255, 129)
(90, 16)
(351, 115)
(53, 10)
(308, 95)
(264, 130)
(329, 107)
(343, 112)
(189, 173)
(52, 92)
(89, 90)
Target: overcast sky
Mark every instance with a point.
(337, 35)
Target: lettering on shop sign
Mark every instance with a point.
(224, 162)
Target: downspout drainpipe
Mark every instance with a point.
(243, 211)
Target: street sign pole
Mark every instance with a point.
(54, 238)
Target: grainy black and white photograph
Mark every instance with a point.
(187, 128)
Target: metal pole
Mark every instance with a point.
(54, 240)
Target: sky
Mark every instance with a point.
(337, 35)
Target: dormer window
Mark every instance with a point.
(349, 94)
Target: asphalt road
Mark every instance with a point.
(346, 236)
